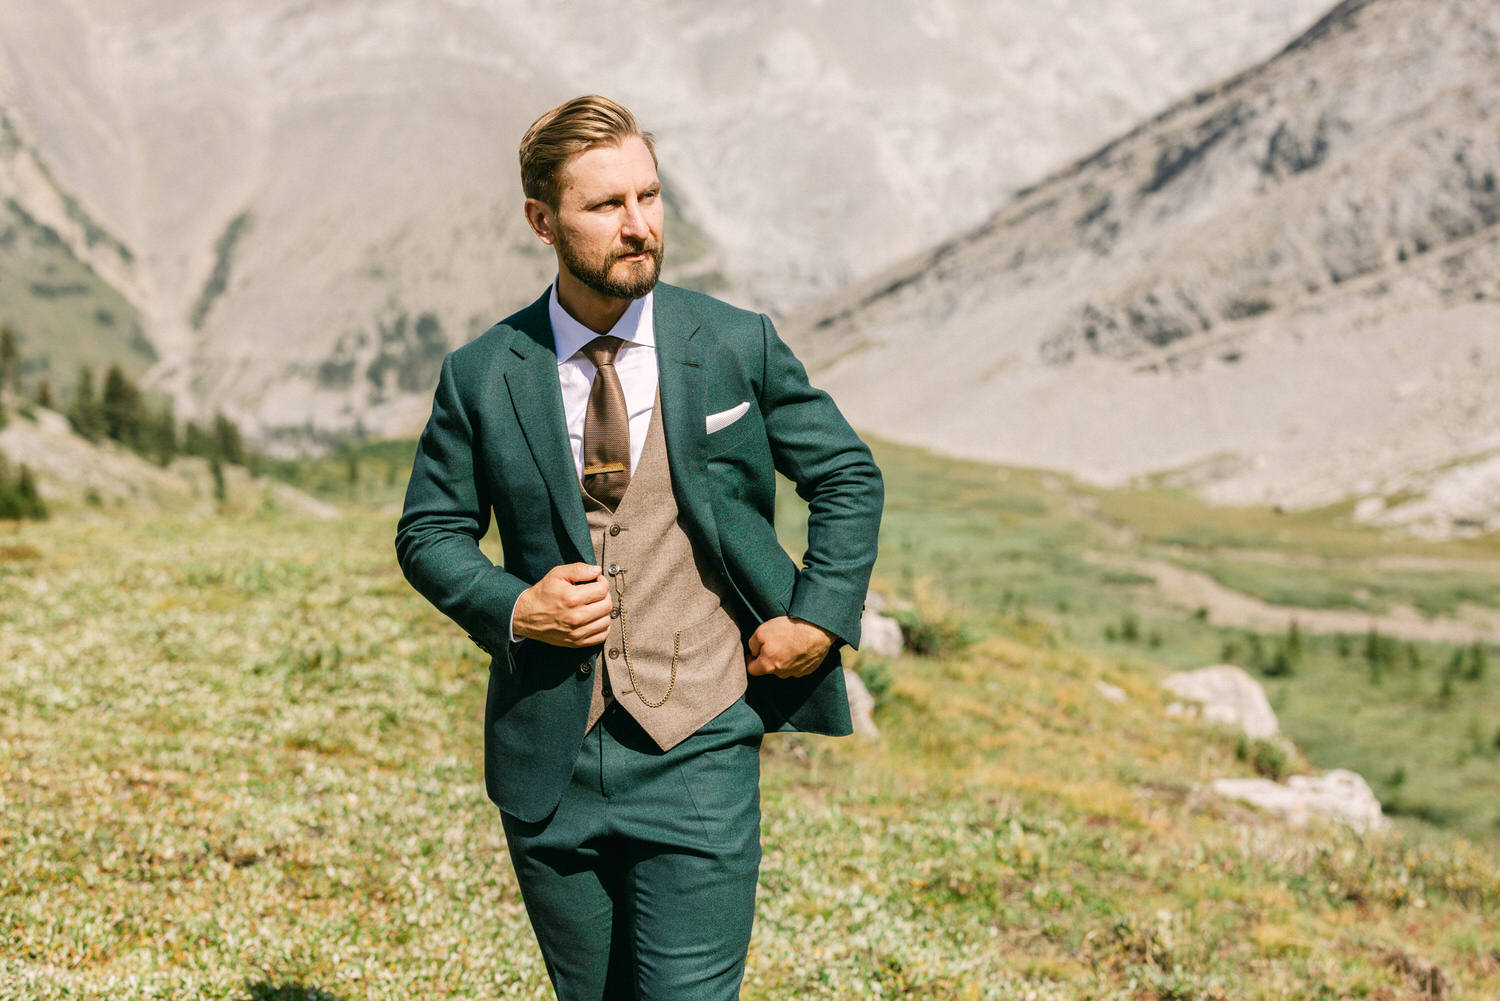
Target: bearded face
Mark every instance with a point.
(626, 272)
(607, 224)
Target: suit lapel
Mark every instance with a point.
(537, 398)
(681, 373)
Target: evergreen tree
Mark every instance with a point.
(231, 447)
(19, 497)
(163, 434)
(32, 505)
(10, 361)
(86, 415)
(123, 410)
(44, 394)
(196, 442)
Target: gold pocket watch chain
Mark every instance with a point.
(635, 685)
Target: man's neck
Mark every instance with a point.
(595, 310)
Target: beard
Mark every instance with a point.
(638, 278)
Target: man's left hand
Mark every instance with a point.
(788, 647)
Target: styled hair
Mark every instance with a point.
(567, 130)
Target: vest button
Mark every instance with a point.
(614, 613)
(614, 530)
(586, 668)
(614, 568)
(613, 653)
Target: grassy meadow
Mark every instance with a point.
(242, 761)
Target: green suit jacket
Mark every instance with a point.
(497, 444)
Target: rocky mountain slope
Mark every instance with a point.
(315, 200)
(1282, 289)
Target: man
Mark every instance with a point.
(646, 629)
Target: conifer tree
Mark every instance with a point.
(32, 505)
(195, 442)
(10, 361)
(231, 447)
(163, 434)
(124, 410)
(19, 497)
(86, 414)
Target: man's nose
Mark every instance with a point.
(634, 224)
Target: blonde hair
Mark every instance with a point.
(567, 130)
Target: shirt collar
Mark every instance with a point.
(568, 335)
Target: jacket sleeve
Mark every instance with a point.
(832, 469)
(446, 513)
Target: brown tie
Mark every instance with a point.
(606, 427)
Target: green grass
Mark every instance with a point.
(1005, 546)
(1433, 593)
(243, 762)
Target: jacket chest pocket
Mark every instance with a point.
(728, 438)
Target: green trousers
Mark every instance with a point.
(641, 884)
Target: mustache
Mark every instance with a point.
(652, 247)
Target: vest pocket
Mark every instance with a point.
(708, 649)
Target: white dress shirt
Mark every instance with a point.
(635, 364)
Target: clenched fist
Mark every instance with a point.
(787, 647)
(568, 607)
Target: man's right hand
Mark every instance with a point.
(568, 607)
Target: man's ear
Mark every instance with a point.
(539, 216)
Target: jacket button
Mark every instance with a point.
(614, 530)
(586, 668)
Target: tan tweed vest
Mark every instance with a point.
(674, 658)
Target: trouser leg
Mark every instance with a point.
(691, 880)
(572, 880)
(642, 884)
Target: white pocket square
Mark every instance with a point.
(721, 420)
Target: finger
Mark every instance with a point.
(592, 635)
(576, 572)
(595, 610)
(587, 593)
(756, 643)
(756, 668)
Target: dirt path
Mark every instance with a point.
(1192, 589)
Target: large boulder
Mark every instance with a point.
(1338, 795)
(880, 635)
(1224, 694)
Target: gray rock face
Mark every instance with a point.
(1337, 795)
(319, 199)
(861, 706)
(880, 634)
(1224, 694)
(1282, 290)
